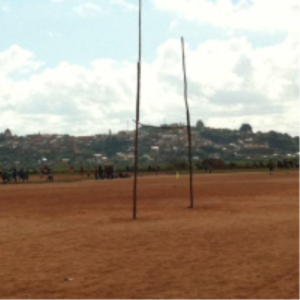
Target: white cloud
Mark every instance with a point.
(125, 4)
(230, 82)
(88, 9)
(264, 15)
(19, 60)
(53, 34)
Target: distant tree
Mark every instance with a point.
(283, 142)
(115, 144)
(232, 164)
(178, 162)
(220, 136)
(200, 125)
(246, 128)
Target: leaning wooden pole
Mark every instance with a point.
(136, 146)
(188, 124)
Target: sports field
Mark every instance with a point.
(78, 239)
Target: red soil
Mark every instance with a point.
(240, 241)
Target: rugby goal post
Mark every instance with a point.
(137, 120)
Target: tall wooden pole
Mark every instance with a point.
(188, 124)
(136, 150)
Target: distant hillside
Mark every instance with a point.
(226, 144)
(156, 146)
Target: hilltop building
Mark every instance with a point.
(8, 133)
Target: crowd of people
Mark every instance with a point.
(14, 175)
(100, 172)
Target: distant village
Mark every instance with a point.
(157, 146)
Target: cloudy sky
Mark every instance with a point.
(69, 66)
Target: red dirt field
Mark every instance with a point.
(240, 241)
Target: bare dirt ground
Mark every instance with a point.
(240, 241)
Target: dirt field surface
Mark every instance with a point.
(78, 239)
